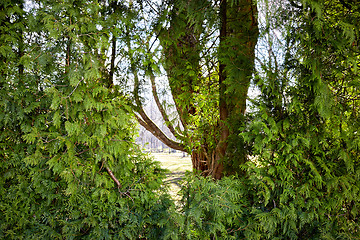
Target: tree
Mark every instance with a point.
(207, 52)
(69, 167)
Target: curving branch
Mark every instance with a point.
(149, 125)
(111, 174)
(161, 108)
(143, 119)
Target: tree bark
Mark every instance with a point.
(236, 55)
(238, 37)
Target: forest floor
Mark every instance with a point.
(177, 164)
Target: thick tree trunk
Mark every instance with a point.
(236, 55)
(207, 163)
(238, 37)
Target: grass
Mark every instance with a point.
(177, 164)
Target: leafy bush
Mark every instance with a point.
(274, 201)
(69, 166)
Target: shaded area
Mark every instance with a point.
(177, 165)
(174, 178)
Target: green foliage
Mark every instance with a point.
(304, 134)
(69, 165)
(214, 210)
(304, 187)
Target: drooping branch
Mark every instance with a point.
(161, 108)
(149, 125)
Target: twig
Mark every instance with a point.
(113, 177)
(74, 89)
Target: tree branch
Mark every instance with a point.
(111, 174)
(149, 125)
(145, 121)
(112, 63)
(161, 109)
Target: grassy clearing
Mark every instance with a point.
(177, 164)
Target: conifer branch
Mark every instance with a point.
(77, 85)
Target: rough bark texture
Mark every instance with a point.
(238, 37)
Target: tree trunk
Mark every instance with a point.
(238, 37)
(207, 163)
(236, 55)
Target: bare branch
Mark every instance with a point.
(111, 174)
(149, 125)
(161, 108)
